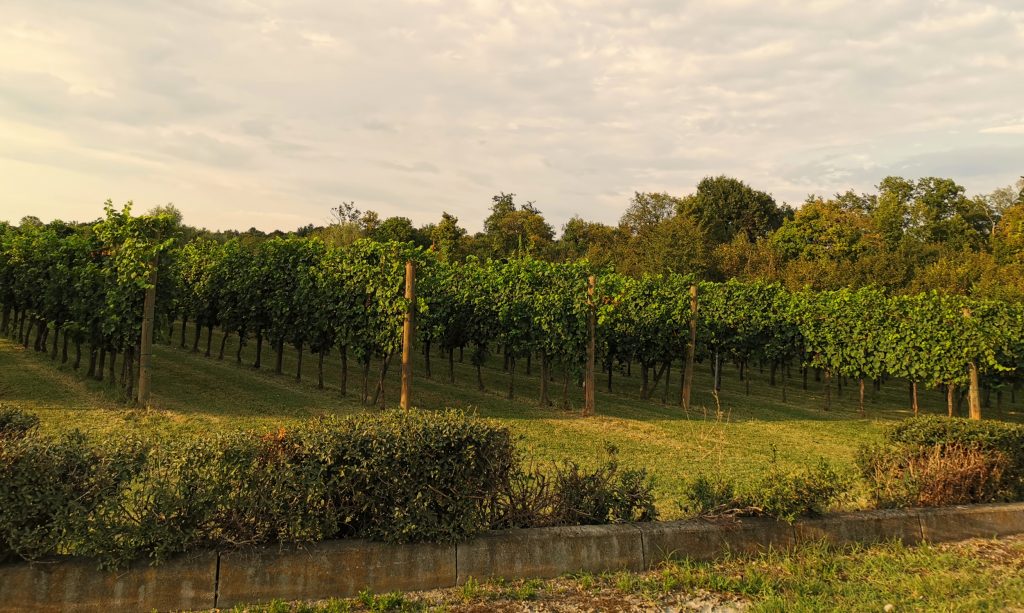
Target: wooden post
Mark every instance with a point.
(146, 342)
(862, 396)
(691, 350)
(974, 392)
(588, 382)
(407, 334)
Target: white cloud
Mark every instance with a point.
(1017, 128)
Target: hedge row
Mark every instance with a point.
(393, 476)
(417, 476)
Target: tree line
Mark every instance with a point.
(908, 236)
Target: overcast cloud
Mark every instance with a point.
(267, 113)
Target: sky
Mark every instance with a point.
(268, 113)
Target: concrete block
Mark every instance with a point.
(333, 569)
(864, 527)
(973, 521)
(703, 539)
(58, 584)
(550, 552)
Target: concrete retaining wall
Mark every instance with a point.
(188, 582)
(344, 568)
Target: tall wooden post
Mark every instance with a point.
(407, 335)
(691, 350)
(146, 342)
(588, 383)
(974, 392)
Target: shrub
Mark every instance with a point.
(15, 423)
(393, 476)
(52, 490)
(805, 493)
(934, 461)
(706, 496)
(414, 476)
(932, 476)
(605, 495)
(776, 493)
(573, 495)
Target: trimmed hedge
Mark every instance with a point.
(395, 476)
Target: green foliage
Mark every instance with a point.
(933, 430)
(53, 491)
(396, 477)
(605, 495)
(573, 495)
(727, 207)
(788, 495)
(704, 495)
(778, 493)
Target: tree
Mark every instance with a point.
(598, 243)
(446, 237)
(892, 216)
(399, 230)
(1008, 236)
(675, 244)
(648, 209)
(725, 207)
(823, 230)
(510, 229)
(931, 210)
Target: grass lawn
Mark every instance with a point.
(195, 393)
(977, 575)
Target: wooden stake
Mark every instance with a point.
(588, 381)
(974, 392)
(407, 335)
(691, 350)
(862, 396)
(146, 343)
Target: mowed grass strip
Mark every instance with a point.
(733, 434)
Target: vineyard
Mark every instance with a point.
(78, 292)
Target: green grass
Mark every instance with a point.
(979, 575)
(195, 393)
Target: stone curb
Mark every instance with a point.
(344, 568)
(705, 540)
(332, 569)
(549, 552)
(974, 521)
(62, 584)
(865, 527)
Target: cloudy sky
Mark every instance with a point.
(267, 113)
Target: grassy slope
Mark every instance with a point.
(195, 393)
